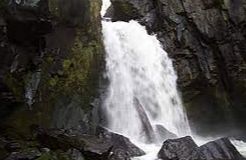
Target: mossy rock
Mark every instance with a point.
(78, 68)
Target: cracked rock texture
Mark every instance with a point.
(52, 56)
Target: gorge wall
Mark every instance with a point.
(52, 58)
(206, 40)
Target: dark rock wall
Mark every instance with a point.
(206, 40)
(51, 62)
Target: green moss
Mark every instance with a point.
(54, 8)
(47, 156)
(53, 81)
(66, 64)
(73, 72)
(16, 85)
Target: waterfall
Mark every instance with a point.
(142, 95)
(142, 92)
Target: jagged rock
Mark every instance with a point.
(163, 134)
(186, 149)
(123, 148)
(147, 128)
(90, 146)
(179, 149)
(126, 10)
(219, 150)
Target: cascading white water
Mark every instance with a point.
(139, 70)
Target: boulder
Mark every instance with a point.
(104, 145)
(123, 148)
(186, 149)
(219, 150)
(179, 149)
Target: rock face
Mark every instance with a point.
(186, 149)
(52, 57)
(126, 9)
(206, 41)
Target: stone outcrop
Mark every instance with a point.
(186, 149)
(52, 57)
(206, 41)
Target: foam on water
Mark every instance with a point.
(240, 145)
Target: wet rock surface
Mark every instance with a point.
(163, 134)
(122, 147)
(177, 149)
(220, 149)
(186, 149)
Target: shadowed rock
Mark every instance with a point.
(179, 149)
(24, 155)
(219, 150)
(123, 148)
(90, 146)
(146, 125)
(163, 134)
(104, 145)
(186, 149)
